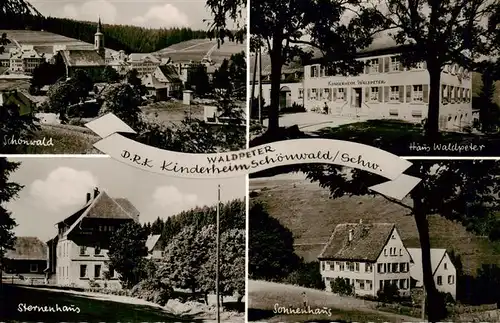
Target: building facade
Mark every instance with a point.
(369, 256)
(28, 259)
(81, 246)
(443, 270)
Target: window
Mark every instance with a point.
(394, 93)
(341, 266)
(451, 279)
(445, 266)
(369, 285)
(83, 250)
(374, 94)
(380, 268)
(83, 271)
(327, 94)
(385, 252)
(33, 268)
(368, 268)
(402, 283)
(323, 265)
(393, 236)
(440, 280)
(97, 271)
(314, 71)
(400, 251)
(356, 266)
(374, 66)
(362, 284)
(395, 267)
(301, 93)
(314, 94)
(341, 94)
(418, 93)
(395, 65)
(97, 249)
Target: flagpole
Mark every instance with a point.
(260, 83)
(217, 255)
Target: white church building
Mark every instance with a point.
(384, 90)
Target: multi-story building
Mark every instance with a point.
(443, 270)
(143, 63)
(369, 256)
(385, 89)
(79, 253)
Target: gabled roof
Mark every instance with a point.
(170, 72)
(80, 57)
(28, 248)
(152, 82)
(140, 57)
(152, 241)
(368, 241)
(103, 207)
(437, 256)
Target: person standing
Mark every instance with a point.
(325, 108)
(304, 299)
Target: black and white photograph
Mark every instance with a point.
(324, 248)
(92, 239)
(415, 78)
(171, 70)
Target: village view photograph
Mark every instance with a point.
(171, 70)
(324, 248)
(415, 78)
(94, 240)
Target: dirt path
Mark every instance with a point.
(318, 298)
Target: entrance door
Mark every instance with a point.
(356, 97)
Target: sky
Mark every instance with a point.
(55, 188)
(145, 13)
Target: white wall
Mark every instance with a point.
(296, 94)
(399, 255)
(332, 269)
(446, 274)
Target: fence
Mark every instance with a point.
(20, 280)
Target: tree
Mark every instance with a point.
(442, 33)
(464, 191)
(133, 79)
(8, 191)
(46, 74)
(127, 250)
(270, 251)
(225, 10)
(489, 111)
(388, 294)
(15, 126)
(110, 75)
(198, 79)
(341, 286)
(3, 42)
(282, 25)
(308, 274)
(123, 101)
(60, 96)
(157, 226)
(82, 84)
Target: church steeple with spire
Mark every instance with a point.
(99, 39)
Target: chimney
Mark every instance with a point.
(96, 192)
(350, 235)
(89, 196)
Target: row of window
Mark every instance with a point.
(418, 93)
(393, 251)
(402, 267)
(451, 280)
(366, 284)
(63, 250)
(64, 271)
(399, 283)
(387, 65)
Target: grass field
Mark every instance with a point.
(91, 309)
(265, 297)
(311, 215)
(40, 38)
(172, 112)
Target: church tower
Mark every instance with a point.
(99, 39)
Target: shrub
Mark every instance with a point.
(388, 294)
(341, 286)
(153, 290)
(307, 275)
(295, 108)
(93, 284)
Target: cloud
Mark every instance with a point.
(165, 16)
(172, 201)
(63, 187)
(91, 11)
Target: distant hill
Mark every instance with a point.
(310, 214)
(196, 49)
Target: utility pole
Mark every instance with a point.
(217, 269)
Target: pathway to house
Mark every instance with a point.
(287, 295)
(311, 121)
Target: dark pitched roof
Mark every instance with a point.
(28, 248)
(170, 73)
(368, 241)
(103, 207)
(83, 57)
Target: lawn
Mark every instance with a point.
(310, 214)
(265, 297)
(172, 112)
(91, 310)
(397, 136)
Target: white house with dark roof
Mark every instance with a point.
(78, 254)
(143, 63)
(28, 258)
(154, 248)
(443, 270)
(369, 256)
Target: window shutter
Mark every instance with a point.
(386, 94)
(401, 90)
(448, 93)
(308, 94)
(380, 94)
(380, 65)
(387, 62)
(367, 67)
(345, 93)
(367, 94)
(408, 93)
(334, 94)
(321, 94)
(425, 93)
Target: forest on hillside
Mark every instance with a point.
(131, 39)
